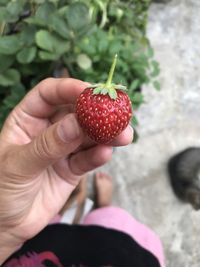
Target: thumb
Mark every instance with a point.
(57, 142)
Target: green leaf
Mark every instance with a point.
(134, 85)
(27, 35)
(156, 85)
(38, 1)
(26, 55)
(3, 14)
(4, 110)
(48, 56)
(87, 46)
(9, 44)
(77, 16)
(103, 45)
(115, 47)
(62, 11)
(9, 77)
(104, 91)
(84, 62)
(16, 94)
(97, 90)
(60, 26)
(141, 61)
(156, 69)
(119, 78)
(5, 62)
(120, 86)
(137, 98)
(44, 12)
(3, 2)
(86, 31)
(51, 42)
(136, 136)
(15, 8)
(94, 85)
(150, 52)
(32, 20)
(44, 40)
(134, 121)
(112, 94)
(54, 1)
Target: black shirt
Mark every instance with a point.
(62, 245)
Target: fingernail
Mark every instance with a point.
(68, 129)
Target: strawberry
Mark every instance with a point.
(104, 110)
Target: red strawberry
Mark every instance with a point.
(104, 110)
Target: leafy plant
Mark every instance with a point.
(41, 38)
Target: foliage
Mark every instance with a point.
(41, 37)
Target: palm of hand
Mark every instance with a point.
(46, 193)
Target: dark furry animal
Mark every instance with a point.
(184, 173)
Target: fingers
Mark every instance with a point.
(90, 159)
(58, 141)
(61, 112)
(42, 100)
(124, 138)
(82, 162)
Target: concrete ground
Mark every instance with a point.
(169, 122)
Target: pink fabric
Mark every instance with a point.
(119, 219)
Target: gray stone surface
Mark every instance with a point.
(169, 122)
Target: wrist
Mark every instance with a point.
(8, 245)
(5, 253)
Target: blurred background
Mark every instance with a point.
(159, 61)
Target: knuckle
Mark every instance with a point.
(42, 148)
(46, 81)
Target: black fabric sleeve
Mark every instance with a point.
(63, 245)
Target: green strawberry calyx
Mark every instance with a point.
(108, 87)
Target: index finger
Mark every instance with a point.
(42, 100)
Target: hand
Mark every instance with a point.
(43, 153)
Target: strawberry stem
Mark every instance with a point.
(110, 76)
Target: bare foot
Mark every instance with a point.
(103, 188)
